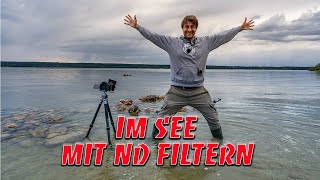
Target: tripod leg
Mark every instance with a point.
(107, 121)
(111, 119)
(94, 118)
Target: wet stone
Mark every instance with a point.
(127, 105)
(134, 110)
(126, 101)
(57, 129)
(60, 139)
(19, 117)
(50, 136)
(124, 104)
(11, 126)
(122, 107)
(37, 125)
(149, 110)
(55, 119)
(39, 133)
(151, 98)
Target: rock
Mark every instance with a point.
(134, 110)
(151, 98)
(184, 109)
(38, 126)
(60, 139)
(50, 136)
(149, 110)
(127, 75)
(19, 117)
(57, 129)
(122, 107)
(55, 119)
(11, 126)
(39, 133)
(128, 102)
(125, 101)
(124, 104)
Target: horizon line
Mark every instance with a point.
(50, 62)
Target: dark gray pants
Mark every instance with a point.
(199, 98)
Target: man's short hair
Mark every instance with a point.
(190, 18)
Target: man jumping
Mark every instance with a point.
(188, 58)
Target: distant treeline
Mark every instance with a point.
(315, 68)
(113, 65)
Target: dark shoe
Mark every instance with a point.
(217, 133)
(155, 132)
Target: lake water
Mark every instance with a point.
(42, 108)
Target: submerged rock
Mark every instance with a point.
(11, 126)
(126, 101)
(19, 117)
(151, 98)
(57, 139)
(134, 110)
(55, 119)
(50, 136)
(122, 107)
(39, 133)
(124, 104)
(127, 105)
(149, 110)
(34, 124)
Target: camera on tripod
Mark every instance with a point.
(106, 86)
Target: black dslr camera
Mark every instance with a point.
(106, 86)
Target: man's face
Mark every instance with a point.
(189, 30)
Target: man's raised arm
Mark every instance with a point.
(221, 38)
(164, 42)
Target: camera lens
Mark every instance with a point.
(188, 50)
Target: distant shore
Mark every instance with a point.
(143, 66)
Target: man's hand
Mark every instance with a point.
(247, 25)
(131, 21)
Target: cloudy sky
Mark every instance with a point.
(286, 32)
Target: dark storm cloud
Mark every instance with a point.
(276, 28)
(93, 31)
(114, 48)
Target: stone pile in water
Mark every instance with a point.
(151, 98)
(127, 105)
(43, 127)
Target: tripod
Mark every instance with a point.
(107, 112)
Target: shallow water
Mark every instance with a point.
(277, 110)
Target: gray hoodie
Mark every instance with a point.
(188, 59)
